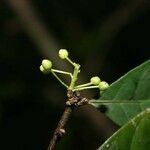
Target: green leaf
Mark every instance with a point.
(135, 135)
(128, 96)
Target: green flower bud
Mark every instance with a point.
(43, 70)
(63, 53)
(46, 64)
(103, 85)
(95, 80)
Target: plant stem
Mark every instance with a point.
(70, 61)
(61, 124)
(83, 85)
(85, 88)
(62, 72)
(59, 79)
(73, 97)
(75, 76)
(67, 112)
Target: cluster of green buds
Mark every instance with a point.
(95, 82)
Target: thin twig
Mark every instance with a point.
(75, 100)
(60, 127)
(55, 75)
(85, 88)
(58, 133)
(62, 72)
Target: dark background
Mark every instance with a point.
(108, 38)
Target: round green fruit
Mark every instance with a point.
(43, 70)
(95, 80)
(63, 53)
(46, 64)
(103, 85)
